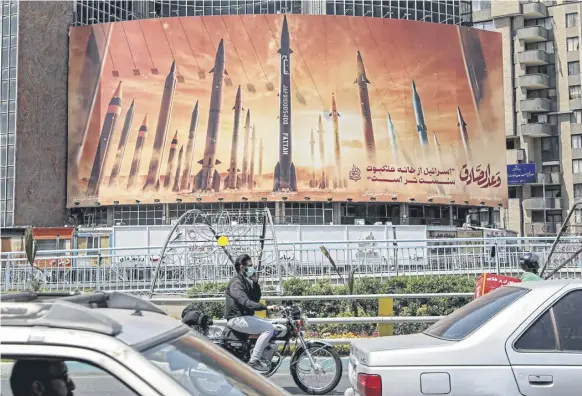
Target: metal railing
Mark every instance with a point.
(131, 268)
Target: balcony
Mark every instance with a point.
(534, 10)
(537, 129)
(532, 34)
(550, 178)
(534, 58)
(535, 105)
(550, 155)
(535, 229)
(576, 129)
(542, 203)
(534, 81)
(514, 156)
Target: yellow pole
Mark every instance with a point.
(261, 314)
(385, 308)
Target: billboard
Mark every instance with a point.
(518, 174)
(294, 107)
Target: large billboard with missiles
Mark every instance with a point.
(297, 107)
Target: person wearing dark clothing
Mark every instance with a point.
(243, 296)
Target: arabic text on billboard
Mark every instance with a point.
(297, 106)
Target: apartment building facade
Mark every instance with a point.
(543, 102)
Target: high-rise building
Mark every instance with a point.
(543, 102)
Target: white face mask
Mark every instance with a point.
(250, 271)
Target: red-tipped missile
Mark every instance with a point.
(233, 179)
(284, 177)
(365, 110)
(141, 135)
(209, 178)
(171, 155)
(113, 112)
(245, 164)
(176, 186)
(122, 144)
(252, 168)
(185, 182)
(153, 178)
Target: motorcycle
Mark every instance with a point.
(288, 328)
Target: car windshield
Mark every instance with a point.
(465, 320)
(204, 369)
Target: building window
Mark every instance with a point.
(577, 190)
(577, 141)
(572, 20)
(575, 92)
(487, 25)
(550, 143)
(572, 44)
(576, 117)
(577, 166)
(573, 68)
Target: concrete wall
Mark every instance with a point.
(41, 144)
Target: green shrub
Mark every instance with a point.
(342, 308)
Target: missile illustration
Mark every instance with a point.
(160, 138)
(338, 182)
(392, 135)
(313, 180)
(323, 182)
(252, 169)
(284, 177)
(365, 110)
(419, 116)
(464, 136)
(171, 155)
(233, 179)
(134, 170)
(185, 183)
(177, 181)
(209, 178)
(245, 164)
(113, 112)
(439, 187)
(260, 174)
(121, 145)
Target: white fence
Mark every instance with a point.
(113, 269)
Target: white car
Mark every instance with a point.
(519, 340)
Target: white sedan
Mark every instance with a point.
(522, 340)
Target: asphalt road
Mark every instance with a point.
(97, 385)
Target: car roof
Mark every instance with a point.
(130, 319)
(556, 284)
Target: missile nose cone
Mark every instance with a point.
(145, 121)
(175, 138)
(413, 86)
(118, 91)
(359, 56)
(220, 49)
(132, 104)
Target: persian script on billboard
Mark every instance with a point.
(291, 107)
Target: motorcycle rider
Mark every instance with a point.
(529, 264)
(243, 294)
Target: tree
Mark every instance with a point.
(30, 250)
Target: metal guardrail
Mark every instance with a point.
(131, 268)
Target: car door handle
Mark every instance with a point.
(540, 379)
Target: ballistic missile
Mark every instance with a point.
(338, 182)
(209, 178)
(245, 164)
(438, 146)
(392, 135)
(252, 168)
(161, 136)
(464, 136)
(171, 155)
(185, 183)
(134, 170)
(111, 117)
(365, 110)
(122, 143)
(313, 180)
(284, 177)
(323, 182)
(176, 186)
(233, 179)
(419, 116)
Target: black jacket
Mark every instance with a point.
(242, 298)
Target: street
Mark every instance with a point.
(98, 385)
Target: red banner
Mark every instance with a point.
(488, 282)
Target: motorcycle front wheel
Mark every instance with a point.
(327, 371)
